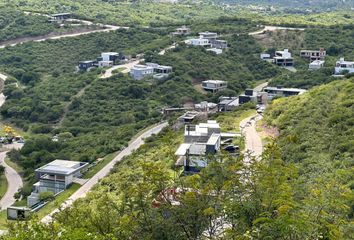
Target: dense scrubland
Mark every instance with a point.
(301, 189)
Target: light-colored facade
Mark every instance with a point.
(138, 72)
(343, 66)
(109, 56)
(182, 31)
(199, 42)
(217, 51)
(313, 55)
(55, 177)
(214, 85)
(283, 58)
(317, 64)
(208, 35)
(102, 64)
(282, 92)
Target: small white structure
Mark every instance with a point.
(199, 42)
(205, 106)
(282, 92)
(208, 35)
(160, 68)
(109, 56)
(55, 177)
(18, 213)
(217, 51)
(138, 72)
(265, 56)
(214, 85)
(102, 64)
(283, 58)
(317, 64)
(343, 66)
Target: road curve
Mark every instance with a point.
(127, 67)
(274, 28)
(84, 189)
(14, 182)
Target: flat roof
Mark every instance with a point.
(317, 62)
(182, 150)
(214, 81)
(214, 138)
(63, 167)
(286, 89)
(88, 61)
(197, 149)
(109, 53)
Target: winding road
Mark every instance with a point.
(84, 189)
(274, 28)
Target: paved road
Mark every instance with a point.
(275, 28)
(81, 192)
(14, 183)
(127, 66)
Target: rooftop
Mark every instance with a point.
(214, 81)
(317, 62)
(109, 53)
(286, 89)
(64, 167)
(341, 60)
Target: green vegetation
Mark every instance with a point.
(337, 41)
(15, 24)
(3, 182)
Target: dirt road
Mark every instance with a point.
(275, 28)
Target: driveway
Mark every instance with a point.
(127, 67)
(81, 192)
(274, 28)
(14, 183)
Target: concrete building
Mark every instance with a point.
(211, 36)
(58, 17)
(55, 177)
(18, 213)
(160, 68)
(199, 42)
(228, 104)
(102, 64)
(217, 51)
(313, 55)
(317, 64)
(138, 72)
(282, 92)
(265, 56)
(214, 85)
(200, 141)
(112, 56)
(189, 117)
(86, 65)
(205, 106)
(219, 44)
(283, 58)
(181, 31)
(343, 66)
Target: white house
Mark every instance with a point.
(199, 42)
(283, 58)
(55, 177)
(317, 64)
(208, 35)
(214, 85)
(217, 51)
(181, 31)
(138, 72)
(110, 56)
(343, 66)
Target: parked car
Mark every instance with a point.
(232, 148)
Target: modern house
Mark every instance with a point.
(200, 141)
(102, 64)
(208, 39)
(86, 65)
(283, 58)
(282, 92)
(181, 31)
(112, 56)
(199, 42)
(343, 66)
(138, 72)
(205, 106)
(188, 117)
(227, 104)
(265, 56)
(317, 64)
(313, 55)
(58, 17)
(214, 85)
(55, 177)
(160, 68)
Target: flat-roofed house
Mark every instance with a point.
(283, 92)
(112, 56)
(86, 65)
(199, 42)
(55, 177)
(343, 66)
(283, 58)
(214, 85)
(138, 72)
(181, 31)
(208, 35)
(58, 17)
(317, 64)
(313, 55)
